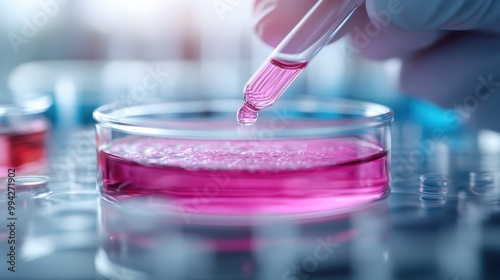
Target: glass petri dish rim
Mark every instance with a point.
(25, 103)
(120, 117)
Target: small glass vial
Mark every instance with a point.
(23, 133)
(481, 182)
(32, 186)
(433, 190)
(433, 184)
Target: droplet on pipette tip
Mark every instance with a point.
(247, 115)
(266, 87)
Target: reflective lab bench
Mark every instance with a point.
(423, 230)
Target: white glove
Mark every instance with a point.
(450, 48)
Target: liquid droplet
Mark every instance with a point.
(247, 115)
(267, 86)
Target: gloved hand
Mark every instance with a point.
(450, 48)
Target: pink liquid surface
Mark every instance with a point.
(246, 177)
(267, 86)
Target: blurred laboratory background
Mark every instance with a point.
(86, 53)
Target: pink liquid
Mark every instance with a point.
(246, 177)
(267, 86)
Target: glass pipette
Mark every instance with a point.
(292, 55)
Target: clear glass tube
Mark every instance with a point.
(315, 30)
(318, 27)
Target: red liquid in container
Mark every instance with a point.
(24, 148)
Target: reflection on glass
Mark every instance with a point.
(141, 238)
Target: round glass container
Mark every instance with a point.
(303, 157)
(23, 132)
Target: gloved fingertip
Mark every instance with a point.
(274, 19)
(263, 18)
(385, 14)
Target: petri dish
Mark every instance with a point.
(303, 157)
(23, 132)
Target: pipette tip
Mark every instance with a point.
(247, 115)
